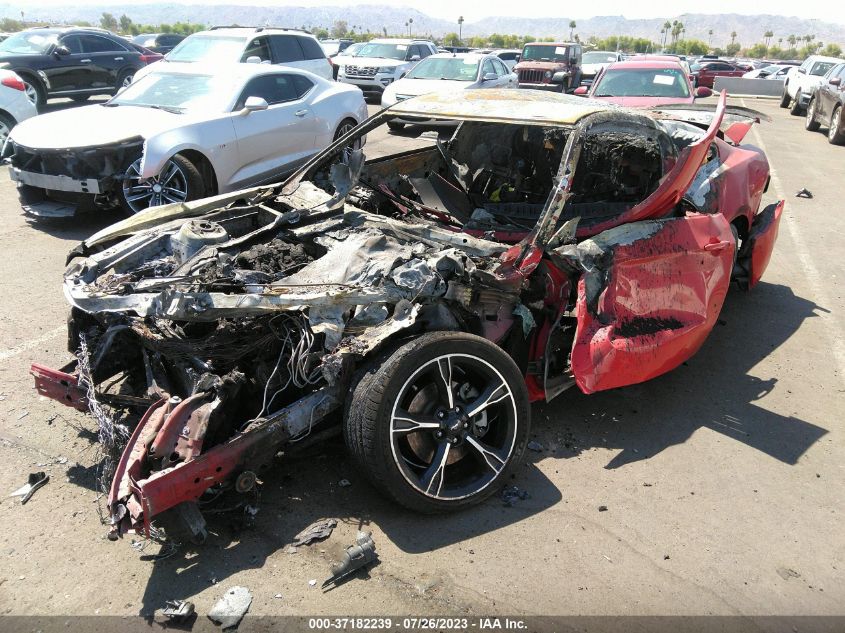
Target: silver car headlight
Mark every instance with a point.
(386, 69)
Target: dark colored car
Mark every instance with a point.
(72, 62)
(706, 73)
(158, 42)
(826, 106)
(550, 66)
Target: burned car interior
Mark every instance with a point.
(210, 335)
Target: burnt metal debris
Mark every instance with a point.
(356, 557)
(33, 482)
(318, 531)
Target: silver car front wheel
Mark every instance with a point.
(177, 181)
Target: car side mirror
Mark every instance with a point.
(61, 51)
(581, 91)
(803, 71)
(254, 104)
(703, 91)
(490, 77)
(415, 58)
(253, 59)
(516, 59)
(835, 81)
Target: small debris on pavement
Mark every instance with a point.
(23, 414)
(803, 193)
(535, 446)
(178, 610)
(512, 493)
(665, 556)
(279, 596)
(786, 573)
(315, 532)
(33, 483)
(344, 483)
(231, 608)
(602, 508)
(356, 557)
(312, 583)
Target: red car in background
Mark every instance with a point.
(643, 83)
(705, 74)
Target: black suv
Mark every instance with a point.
(72, 62)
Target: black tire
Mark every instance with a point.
(195, 186)
(398, 466)
(395, 127)
(35, 87)
(785, 98)
(836, 131)
(810, 123)
(344, 127)
(796, 109)
(80, 98)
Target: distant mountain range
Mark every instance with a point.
(376, 18)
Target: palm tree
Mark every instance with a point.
(733, 37)
(710, 38)
(460, 28)
(768, 35)
(663, 39)
(572, 26)
(792, 40)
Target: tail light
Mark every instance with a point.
(14, 83)
(152, 57)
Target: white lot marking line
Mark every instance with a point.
(32, 343)
(814, 277)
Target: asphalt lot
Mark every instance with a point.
(723, 480)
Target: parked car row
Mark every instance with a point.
(801, 81)
(826, 105)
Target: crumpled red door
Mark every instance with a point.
(651, 298)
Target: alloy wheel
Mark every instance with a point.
(170, 185)
(453, 427)
(31, 93)
(833, 129)
(127, 80)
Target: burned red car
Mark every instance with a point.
(419, 302)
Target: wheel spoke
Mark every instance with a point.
(492, 458)
(140, 196)
(495, 392)
(405, 423)
(171, 172)
(444, 367)
(434, 476)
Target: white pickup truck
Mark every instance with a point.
(801, 80)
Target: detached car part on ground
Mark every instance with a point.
(422, 300)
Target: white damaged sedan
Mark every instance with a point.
(178, 135)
